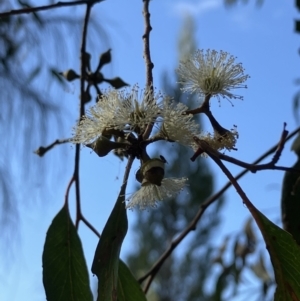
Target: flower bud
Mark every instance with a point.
(153, 172)
(69, 75)
(102, 146)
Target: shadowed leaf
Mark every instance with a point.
(128, 288)
(106, 260)
(290, 204)
(65, 274)
(285, 257)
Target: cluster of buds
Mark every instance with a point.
(127, 121)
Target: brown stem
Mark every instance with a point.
(68, 192)
(89, 225)
(29, 10)
(81, 109)
(147, 58)
(146, 39)
(251, 167)
(203, 108)
(42, 150)
(215, 124)
(231, 178)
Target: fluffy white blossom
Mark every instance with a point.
(118, 109)
(177, 125)
(212, 72)
(218, 142)
(149, 194)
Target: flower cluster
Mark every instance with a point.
(135, 118)
(118, 110)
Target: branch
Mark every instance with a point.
(146, 38)
(29, 10)
(251, 167)
(89, 225)
(68, 191)
(240, 191)
(147, 58)
(192, 225)
(81, 109)
(204, 107)
(42, 150)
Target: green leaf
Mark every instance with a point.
(116, 82)
(285, 257)
(290, 205)
(128, 288)
(297, 26)
(106, 260)
(65, 274)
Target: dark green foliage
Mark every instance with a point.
(297, 26)
(65, 274)
(290, 199)
(128, 288)
(285, 257)
(106, 259)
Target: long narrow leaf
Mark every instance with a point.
(128, 287)
(65, 274)
(285, 257)
(106, 260)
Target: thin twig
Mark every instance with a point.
(251, 167)
(203, 107)
(89, 225)
(218, 161)
(81, 109)
(280, 144)
(42, 150)
(146, 38)
(127, 169)
(147, 58)
(192, 225)
(29, 10)
(68, 191)
(240, 191)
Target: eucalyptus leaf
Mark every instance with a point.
(106, 259)
(290, 204)
(285, 257)
(128, 287)
(65, 274)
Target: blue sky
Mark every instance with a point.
(262, 38)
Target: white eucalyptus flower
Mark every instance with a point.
(177, 125)
(212, 72)
(120, 110)
(218, 142)
(149, 194)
